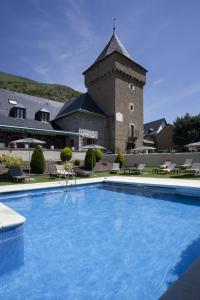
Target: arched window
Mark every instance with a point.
(131, 107)
(131, 86)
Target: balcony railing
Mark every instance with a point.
(133, 135)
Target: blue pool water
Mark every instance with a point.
(98, 242)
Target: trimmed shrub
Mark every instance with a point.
(90, 159)
(66, 154)
(68, 166)
(120, 159)
(37, 161)
(11, 160)
(98, 154)
(77, 162)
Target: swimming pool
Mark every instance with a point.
(100, 241)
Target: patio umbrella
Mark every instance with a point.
(193, 145)
(29, 141)
(93, 146)
(143, 148)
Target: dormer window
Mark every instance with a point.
(18, 111)
(43, 115)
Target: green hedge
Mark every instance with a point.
(77, 162)
(38, 163)
(66, 154)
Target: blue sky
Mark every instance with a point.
(54, 41)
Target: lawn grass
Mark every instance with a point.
(147, 174)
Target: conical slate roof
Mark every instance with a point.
(113, 45)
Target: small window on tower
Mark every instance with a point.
(131, 107)
(131, 86)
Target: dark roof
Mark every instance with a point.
(24, 122)
(31, 104)
(44, 110)
(152, 127)
(113, 45)
(82, 103)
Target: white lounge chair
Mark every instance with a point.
(195, 169)
(136, 170)
(187, 164)
(166, 164)
(170, 169)
(115, 168)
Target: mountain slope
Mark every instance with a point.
(27, 86)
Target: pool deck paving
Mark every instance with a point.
(187, 287)
(176, 183)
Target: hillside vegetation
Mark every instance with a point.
(24, 85)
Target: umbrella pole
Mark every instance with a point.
(29, 169)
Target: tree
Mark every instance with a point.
(66, 154)
(186, 130)
(38, 164)
(90, 159)
(120, 159)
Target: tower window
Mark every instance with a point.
(131, 86)
(132, 130)
(131, 107)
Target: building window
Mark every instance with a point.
(131, 107)
(131, 86)
(88, 141)
(20, 113)
(132, 130)
(44, 116)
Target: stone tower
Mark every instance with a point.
(115, 82)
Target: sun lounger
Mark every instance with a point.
(139, 169)
(61, 172)
(170, 169)
(16, 174)
(187, 164)
(166, 164)
(161, 167)
(195, 169)
(115, 168)
(82, 173)
(135, 170)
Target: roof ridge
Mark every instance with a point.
(113, 45)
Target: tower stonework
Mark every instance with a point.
(115, 82)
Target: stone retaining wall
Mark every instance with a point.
(53, 155)
(155, 159)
